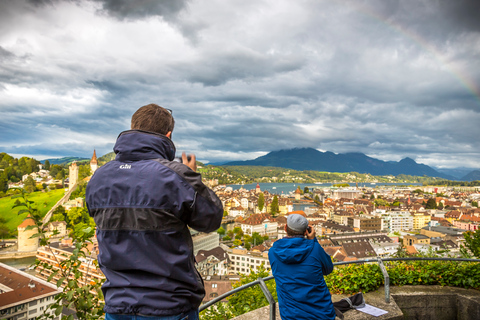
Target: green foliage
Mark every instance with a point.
(381, 202)
(354, 278)
(84, 171)
(474, 204)
(47, 165)
(226, 238)
(306, 190)
(341, 185)
(244, 301)
(472, 243)
(257, 239)
(39, 198)
(29, 184)
(55, 170)
(261, 201)
(221, 231)
(431, 204)
(79, 191)
(85, 298)
(274, 208)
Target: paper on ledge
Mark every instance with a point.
(374, 311)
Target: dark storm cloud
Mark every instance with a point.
(125, 9)
(387, 78)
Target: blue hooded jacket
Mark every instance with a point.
(143, 203)
(298, 265)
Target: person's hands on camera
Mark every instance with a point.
(189, 161)
(310, 233)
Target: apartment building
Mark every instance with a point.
(60, 251)
(242, 260)
(23, 296)
(397, 221)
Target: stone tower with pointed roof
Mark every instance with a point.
(25, 243)
(73, 175)
(257, 189)
(94, 162)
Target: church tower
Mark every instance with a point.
(94, 162)
(73, 175)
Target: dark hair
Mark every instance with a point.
(291, 232)
(153, 118)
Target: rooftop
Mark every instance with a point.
(18, 287)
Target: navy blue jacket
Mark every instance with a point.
(298, 265)
(143, 203)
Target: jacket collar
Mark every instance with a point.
(134, 145)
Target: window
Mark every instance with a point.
(214, 285)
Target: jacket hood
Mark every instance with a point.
(134, 145)
(293, 250)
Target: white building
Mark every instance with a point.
(204, 241)
(23, 296)
(262, 226)
(397, 221)
(212, 262)
(241, 261)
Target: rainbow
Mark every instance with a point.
(465, 79)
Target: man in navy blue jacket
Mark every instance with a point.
(298, 265)
(143, 204)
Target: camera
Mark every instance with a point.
(309, 229)
(179, 159)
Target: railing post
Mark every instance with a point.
(386, 277)
(269, 297)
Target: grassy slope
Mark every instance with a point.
(14, 220)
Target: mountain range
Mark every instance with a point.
(312, 159)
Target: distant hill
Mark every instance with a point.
(455, 172)
(312, 159)
(107, 157)
(472, 176)
(64, 160)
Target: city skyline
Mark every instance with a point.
(388, 79)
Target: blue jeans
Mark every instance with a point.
(192, 315)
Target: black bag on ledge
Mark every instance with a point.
(353, 302)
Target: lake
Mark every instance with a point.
(285, 188)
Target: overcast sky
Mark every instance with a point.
(391, 79)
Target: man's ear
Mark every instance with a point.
(285, 228)
(169, 135)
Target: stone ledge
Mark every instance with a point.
(451, 303)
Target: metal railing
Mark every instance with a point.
(271, 300)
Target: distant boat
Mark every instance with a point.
(274, 188)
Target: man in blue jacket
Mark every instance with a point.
(298, 265)
(143, 204)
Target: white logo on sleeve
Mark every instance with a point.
(125, 166)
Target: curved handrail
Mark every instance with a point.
(269, 297)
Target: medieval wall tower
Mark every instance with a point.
(94, 162)
(25, 241)
(73, 175)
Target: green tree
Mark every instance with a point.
(472, 243)
(252, 298)
(221, 231)
(230, 233)
(306, 190)
(261, 201)
(474, 204)
(247, 245)
(3, 182)
(47, 165)
(75, 295)
(237, 242)
(84, 171)
(29, 184)
(226, 238)
(257, 239)
(274, 208)
(431, 204)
